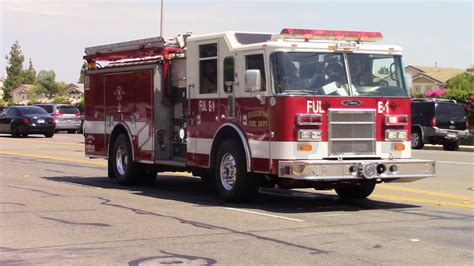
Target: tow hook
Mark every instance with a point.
(368, 170)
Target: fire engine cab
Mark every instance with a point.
(300, 109)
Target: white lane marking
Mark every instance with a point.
(454, 162)
(264, 214)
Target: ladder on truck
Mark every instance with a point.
(123, 50)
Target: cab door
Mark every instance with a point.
(254, 109)
(202, 84)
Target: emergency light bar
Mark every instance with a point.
(337, 35)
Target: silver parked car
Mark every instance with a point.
(68, 117)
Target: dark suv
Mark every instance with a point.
(68, 117)
(436, 121)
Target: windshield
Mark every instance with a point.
(312, 73)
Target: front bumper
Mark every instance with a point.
(399, 170)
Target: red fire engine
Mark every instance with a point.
(302, 108)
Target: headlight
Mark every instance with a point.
(396, 135)
(309, 135)
(396, 120)
(402, 134)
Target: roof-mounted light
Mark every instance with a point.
(337, 35)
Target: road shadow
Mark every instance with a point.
(35, 136)
(193, 190)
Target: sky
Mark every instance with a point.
(54, 33)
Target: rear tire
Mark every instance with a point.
(233, 182)
(15, 131)
(122, 164)
(110, 168)
(71, 131)
(49, 135)
(451, 146)
(356, 191)
(416, 139)
(146, 175)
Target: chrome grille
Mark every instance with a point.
(351, 132)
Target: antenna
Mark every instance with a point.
(161, 20)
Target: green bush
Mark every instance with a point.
(11, 103)
(34, 100)
(61, 99)
(81, 105)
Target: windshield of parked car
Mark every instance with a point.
(313, 73)
(32, 110)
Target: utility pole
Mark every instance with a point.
(161, 20)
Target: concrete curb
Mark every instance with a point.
(462, 148)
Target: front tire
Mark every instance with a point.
(416, 139)
(234, 183)
(356, 191)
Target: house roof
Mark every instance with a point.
(423, 76)
(441, 74)
(74, 86)
(26, 87)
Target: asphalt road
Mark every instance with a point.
(58, 207)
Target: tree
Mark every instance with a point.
(83, 71)
(46, 84)
(14, 70)
(29, 75)
(383, 71)
(461, 88)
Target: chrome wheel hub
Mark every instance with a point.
(121, 160)
(414, 139)
(228, 171)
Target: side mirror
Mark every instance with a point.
(393, 74)
(253, 80)
(409, 82)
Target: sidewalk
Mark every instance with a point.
(440, 148)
